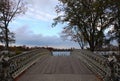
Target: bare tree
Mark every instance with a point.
(9, 9)
(11, 37)
(74, 35)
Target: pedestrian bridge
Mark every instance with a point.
(40, 65)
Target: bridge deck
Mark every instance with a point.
(58, 68)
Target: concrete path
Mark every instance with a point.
(58, 68)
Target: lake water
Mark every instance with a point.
(61, 53)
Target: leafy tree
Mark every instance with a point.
(91, 17)
(115, 32)
(9, 9)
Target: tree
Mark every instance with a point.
(91, 17)
(80, 39)
(115, 33)
(11, 37)
(74, 35)
(9, 9)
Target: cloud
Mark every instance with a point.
(39, 17)
(24, 36)
(36, 21)
(43, 4)
(43, 10)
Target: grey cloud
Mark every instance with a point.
(26, 37)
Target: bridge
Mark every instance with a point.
(40, 65)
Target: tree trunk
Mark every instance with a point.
(6, 39)
(92, 47)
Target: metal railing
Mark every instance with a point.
(21, 62)
(97, 63)
(118, 70)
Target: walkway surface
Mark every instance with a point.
(58, 68)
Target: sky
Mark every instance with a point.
(34, 27)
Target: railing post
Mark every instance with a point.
(5, 74)
(119, 41)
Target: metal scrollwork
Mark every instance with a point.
(5, 74)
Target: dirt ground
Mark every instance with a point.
(58, 68)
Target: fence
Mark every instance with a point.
(97, 63)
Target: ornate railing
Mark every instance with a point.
(118, 70)
(97, 63)
(21, 62)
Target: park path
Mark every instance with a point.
(58, 68)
